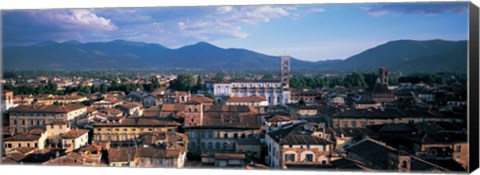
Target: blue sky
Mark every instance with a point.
(308, 32)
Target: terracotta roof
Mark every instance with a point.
(229, 120)
(139, 121)
(90, 148)
(47, 108)
(57, 122)
(111, 111)
(74, 133)
(112, 100)
(369, 113)
(16, 156)
(7, 160)
(130, 105)
(61, 97)
(295, 134)
(378, 153)
(280, 118)
(121, 154)
(226, 108)
(246, 99)
(25, 150)
(71, 158)
(228, 156)
(200, 99)
(29, 136)
(91, 109)
(157, 153)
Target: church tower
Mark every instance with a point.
(383, 76)
(285, 72)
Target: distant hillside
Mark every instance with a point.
(120, 54)
(409, 56)
(402, 55)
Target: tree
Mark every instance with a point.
(103, 88)
(219, 76)
(183, 82)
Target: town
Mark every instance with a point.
(375, 121)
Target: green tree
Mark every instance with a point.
(103, 88)
(183, 82)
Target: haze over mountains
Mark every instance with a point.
(401, 55)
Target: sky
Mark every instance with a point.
(307, 32)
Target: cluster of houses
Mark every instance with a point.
(409, 128)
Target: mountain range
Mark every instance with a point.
(400, 55)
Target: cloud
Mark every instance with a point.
(428, 9)
(33, 26)
(171, 26)
(74, 19)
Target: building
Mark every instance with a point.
(230, 160)
(127, 130)
(378, 156)
(165, 149)
(73, 159)
(60, 99)
(26, 116)
(247, 101)
(307, 97)
(277, 92)
(107, 103)
(380, 93)
(32, 139)
(7, 100)
(294, 144)
(74, 139)
(360, 118)
(122, 157)
(218, 132)
(130, 109)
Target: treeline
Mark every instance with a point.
(50, 88)
(362, 80)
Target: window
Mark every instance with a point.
(235, 135)
(309, 157)
(225, 135)
(225, 145)
(125, 129)
(289, 157)
(99, 129)
(210, 134)
(458, 148)
(9, 145)
(117, 129)
(354, 124)
(202, 134)
(210, 146)
(36, 145)
(243, 135)
(51, 127)
(133, 129)
(28, 144)
(324, 162)
(217, 146)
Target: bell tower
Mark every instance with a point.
(285, 72)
